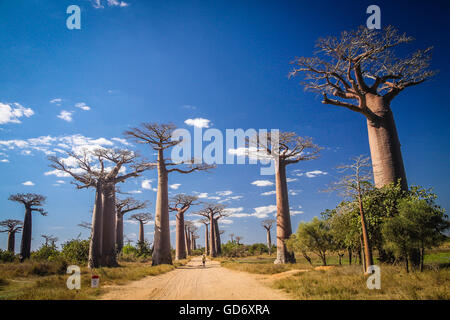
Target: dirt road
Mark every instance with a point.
(195, 282)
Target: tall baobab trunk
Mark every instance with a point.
(95, 245)
(212, 238)
(187, 240)
(206, 240)
(25, 245)
(119, 232)
(218, 244)
(161, 252)
(387, 161)
(11, 241)
(180, 248)
(109, 226)
(141, 232)
(284, 229)
(269, 241)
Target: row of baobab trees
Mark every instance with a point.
(358, 71)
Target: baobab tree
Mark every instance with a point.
(32, 202)
(180, 204)
(50, 240)
(89, 171)
(206, 223)
(194, 241)
(284, 148)
(12, 227)
(231, 237)
(362, 73)
(124, 206)
(192, 229)
(267, 224)
(187, 235)
(238, 239)
(354, 186)
(159, 137)
(142, 218)
(213, 212)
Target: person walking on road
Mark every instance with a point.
(203, 260)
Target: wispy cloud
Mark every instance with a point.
(146, 184)
(82, 106)
(310, 174)
(268, 193)
(174, 186)
(28, 183)
(56, 101)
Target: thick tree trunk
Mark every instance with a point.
(95, 245)
(387, 161)
(25, 245)
(218, 244)
(109, 226)
(11, 241)
(269, 241)
(161, 252)
(284, 229)
(141, 232)
(119, 232)
(212, 238)
(180, 241)
(206, 240)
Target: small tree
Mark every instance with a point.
(12, 227)
(142, 218)
(180, 204)
(238, 239)
(355, 185)
(32, 202)
(314, 236)
(418, 226)
(124, 206)
(267, 224)
(50, 240)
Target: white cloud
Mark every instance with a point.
(202, 195)
(28, 183)
(174, 186)
(226, 221)
(4, 160)
(291, 179)
(295, 212)
(116, 3)
(65, 115)
(262, 183)
(82, 106)
(122, 141)
(264, 211)
(146, 184)
(293, 192)
(60, 181)
(315, 173)
(11, 112)
(268, 193)
(198, 122)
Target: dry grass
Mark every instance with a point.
(33, 280)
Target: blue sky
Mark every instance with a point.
(169, 61)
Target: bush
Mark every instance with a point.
(7, 256)
(232, 249)
(144, 249)
(45, 252)
(76, 250)
(258, 249)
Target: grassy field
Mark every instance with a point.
(348, 281)
(35, 280)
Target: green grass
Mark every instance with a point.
(34, 280)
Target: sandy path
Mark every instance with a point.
(193, 282)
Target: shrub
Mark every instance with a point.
(76, 250)
(7, 256)
(45, 252)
